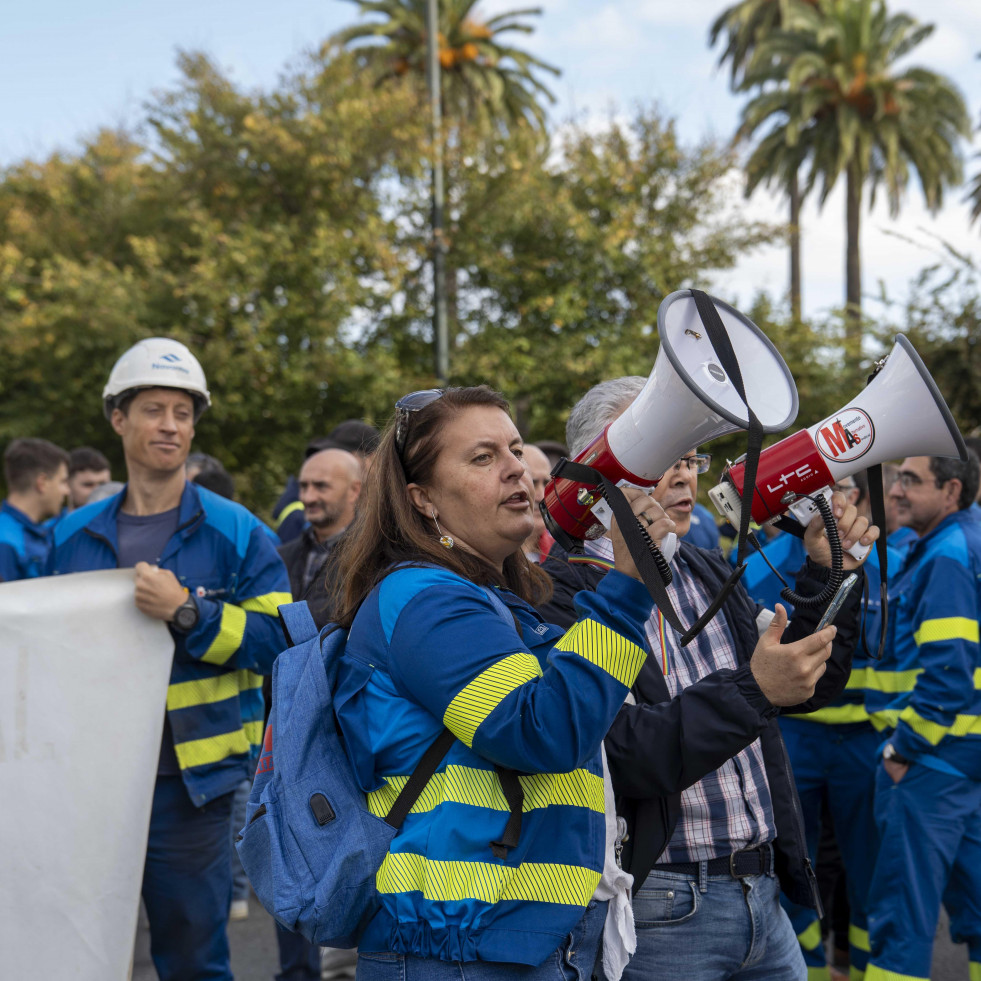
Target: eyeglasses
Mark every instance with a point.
(413, 402)
(699, 462)
(908, 479)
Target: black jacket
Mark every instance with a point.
(294, 555)
(662, 745)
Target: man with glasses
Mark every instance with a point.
(928, 788)
(707, 809)
(832, 753)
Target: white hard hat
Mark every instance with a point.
(157, 362)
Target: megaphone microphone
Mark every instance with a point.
(899, 413)
(688, 400)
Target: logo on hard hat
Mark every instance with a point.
(170, 357)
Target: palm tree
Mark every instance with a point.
(831, 90)
(745, 25)
(484, 79)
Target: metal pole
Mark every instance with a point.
(440, 331)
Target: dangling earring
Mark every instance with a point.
(444, 540)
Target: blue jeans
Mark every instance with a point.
(713, 928)
(187, 884)
(574, 960)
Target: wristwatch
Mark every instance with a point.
(889, 753)
(186, 615)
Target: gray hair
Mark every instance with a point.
(598, 408)
(966, 471)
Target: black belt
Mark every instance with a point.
(751, 861)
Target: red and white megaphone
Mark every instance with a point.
(899, 413)
(688, 400)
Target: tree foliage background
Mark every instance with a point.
(284, 236)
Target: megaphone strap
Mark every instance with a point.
(654, 574)
(722, 345)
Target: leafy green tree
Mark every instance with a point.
(483, 78)
(833, 96)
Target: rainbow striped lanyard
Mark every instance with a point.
(662, 637)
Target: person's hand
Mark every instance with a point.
(852, 528)
(788, 673)
(652, 518)
(896, 770)
(158, 593)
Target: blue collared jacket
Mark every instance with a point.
(24, 545)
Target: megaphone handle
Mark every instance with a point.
(837, 562)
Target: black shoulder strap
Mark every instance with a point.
(878, 508)
(421, 775)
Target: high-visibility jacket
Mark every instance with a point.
(225, 557)
(428, 649)
(930, 676)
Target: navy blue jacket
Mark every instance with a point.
(663, 745)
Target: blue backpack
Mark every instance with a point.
(310, 846)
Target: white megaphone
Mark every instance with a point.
(899, 413)
(688, 400)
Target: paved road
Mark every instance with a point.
(254, 954)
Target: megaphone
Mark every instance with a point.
(688, 400)
(899, 413)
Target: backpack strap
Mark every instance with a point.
(297, 623)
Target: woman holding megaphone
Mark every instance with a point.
(506, 862)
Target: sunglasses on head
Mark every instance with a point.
(413, 402)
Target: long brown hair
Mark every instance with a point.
(387, 529)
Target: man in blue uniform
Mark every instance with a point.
(208, 568)
(36, 473)
(928, 789)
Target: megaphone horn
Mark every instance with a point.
(899, 413)
(688, 399)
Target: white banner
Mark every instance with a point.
(83, 686)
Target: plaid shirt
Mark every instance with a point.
(729, 809)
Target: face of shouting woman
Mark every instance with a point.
(481, 491)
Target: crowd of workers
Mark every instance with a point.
(676, 798)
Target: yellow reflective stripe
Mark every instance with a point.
(205, 691)
(974, 971)
(530, 882)
(885, 681)
(605, 648)
(474, 703)
(946, 628)
(818, 974)
(213, 749)
(810, 939)
(229, 637)
(933, 732)
(481, 788)
(835, 715)
(977, 684)
(858, 937)
(290, 508)
(267, 603)
(881, 974)
(885, 719)
(855, 973)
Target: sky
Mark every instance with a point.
(66, 69)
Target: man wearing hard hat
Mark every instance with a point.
(207, 567)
